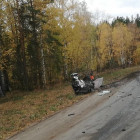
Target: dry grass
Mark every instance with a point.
(117, 74)
(19, 110)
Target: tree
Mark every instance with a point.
(122, 38)
(105, 47)
(137, 20)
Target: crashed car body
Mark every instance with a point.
(86, 85)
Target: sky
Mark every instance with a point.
(114, 8)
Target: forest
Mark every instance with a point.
(43, 41)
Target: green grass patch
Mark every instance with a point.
(53, 108)
(18, 98)
(42, 110)
(70, 96)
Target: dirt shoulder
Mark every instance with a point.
(19, 110)
(92, 118)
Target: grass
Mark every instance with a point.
(20, 110)
(117, 74)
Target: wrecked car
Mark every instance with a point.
(86, 85)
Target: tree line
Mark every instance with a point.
(43, 41)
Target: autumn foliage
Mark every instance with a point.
(43, 41)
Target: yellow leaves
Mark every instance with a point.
(137, 54)
(104, 33)
(116, 43)
(1, 67)
(8, 52)
(41, 4)
(122, 39)
(75, 34)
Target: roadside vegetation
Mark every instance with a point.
(117, 74)
(19, 110)
(43, 41)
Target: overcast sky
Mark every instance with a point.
(114, 8)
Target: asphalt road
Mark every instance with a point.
(114, 116)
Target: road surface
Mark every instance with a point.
(114, 116)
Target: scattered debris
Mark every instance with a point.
(71, 114)
(103, 92)
(123, 96)
(124, 129)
